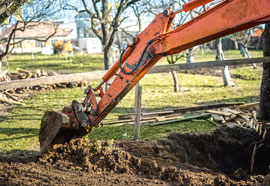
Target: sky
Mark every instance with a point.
(130, 24)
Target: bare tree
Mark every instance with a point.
(139, 9)
(243, 38)
(105, 19)
(38, 11)
(153, 8)
(8, 7)
(10, 40)
(172, 59)
(265, 85)
(190, 55)
(156, 7)
(224, 70)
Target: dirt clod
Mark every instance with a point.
(220, 158)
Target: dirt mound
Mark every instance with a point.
(33, 173)
(220, 158)
(106, 156)
(88, 155)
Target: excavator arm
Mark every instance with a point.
(156, 41)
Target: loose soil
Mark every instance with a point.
(220, 158)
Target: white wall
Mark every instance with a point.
(26, 50)
(90, 45)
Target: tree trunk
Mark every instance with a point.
(108, 62)
(236, 45)
(175, 81)
(265, 85)
(249, 56)
(225, 70)
(202, 50)
(190, 57)
(245, 53)
(242, 50)
(119, 42)
(139, 24)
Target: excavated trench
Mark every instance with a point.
(226, 150)
(220, 158)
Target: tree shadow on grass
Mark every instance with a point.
(19, 137)
(15, 118)
(12, 133)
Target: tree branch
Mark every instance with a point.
(10, 8)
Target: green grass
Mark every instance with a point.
(20, 127)
(151, 133)
(57, 63)
(210, 55)
(86, 63)
(247, 73)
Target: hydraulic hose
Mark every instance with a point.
(139, 62)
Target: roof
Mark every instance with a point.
(258, 33)
(37, 30)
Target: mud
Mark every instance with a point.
(220, 158)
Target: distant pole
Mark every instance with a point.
(138, 105)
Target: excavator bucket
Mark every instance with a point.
(53, 130)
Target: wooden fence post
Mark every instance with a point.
(138, 105)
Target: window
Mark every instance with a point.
(38, 44)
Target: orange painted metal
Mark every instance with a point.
(123, 83)
(191, 5)
(226, 18)
(114, 69)
(194, 4)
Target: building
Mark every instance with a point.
(37, 37)
(83, 26)
(87, 40)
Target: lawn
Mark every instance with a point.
(20, 127)
(86, 63)
(57, 63)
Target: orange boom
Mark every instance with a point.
(155, 41)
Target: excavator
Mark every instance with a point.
(156, 41)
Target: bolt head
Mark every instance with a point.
(165, 12)
(84, 124)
